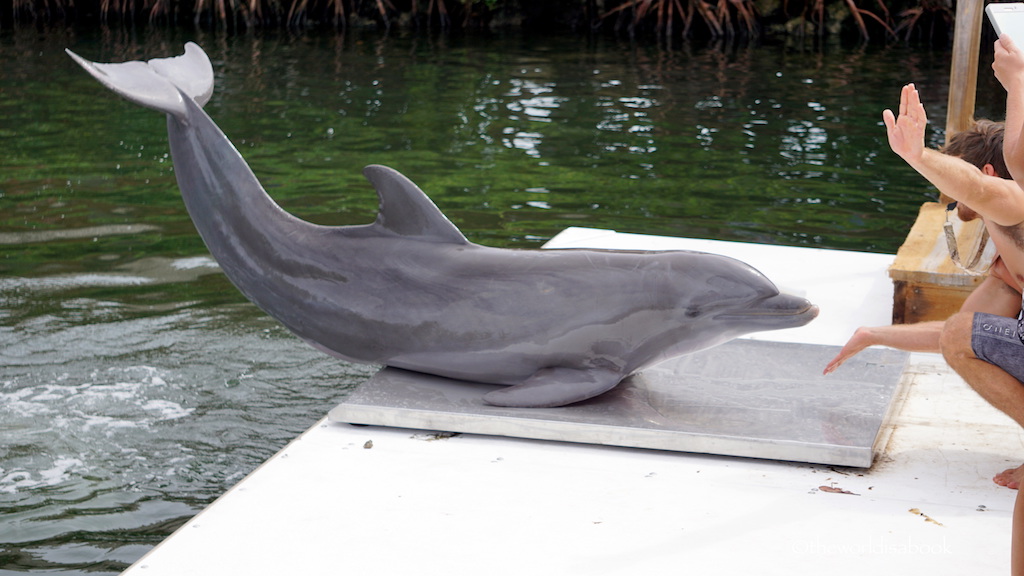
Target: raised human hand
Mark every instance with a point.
(1008, 64)
(906, 131)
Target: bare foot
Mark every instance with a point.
(1012, 478)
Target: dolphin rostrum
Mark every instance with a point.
(410, 291)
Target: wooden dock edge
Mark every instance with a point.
(927, 284)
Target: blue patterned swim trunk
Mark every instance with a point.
(995, 340)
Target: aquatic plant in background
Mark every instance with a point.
(867, 20)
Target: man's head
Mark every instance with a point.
(981, 145)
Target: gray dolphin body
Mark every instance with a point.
(410, 291)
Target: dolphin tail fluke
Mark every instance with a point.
(160, 83)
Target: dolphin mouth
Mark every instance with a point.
(781, 310)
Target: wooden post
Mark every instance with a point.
(926, 284)
(963, 73)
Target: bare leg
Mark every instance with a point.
(1000, 389)
(990, 381)
(1017, 538)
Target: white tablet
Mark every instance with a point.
(1008, 19)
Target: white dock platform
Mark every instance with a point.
(342, 499)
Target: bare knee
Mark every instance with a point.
(955, 341)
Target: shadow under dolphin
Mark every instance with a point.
(410, 291)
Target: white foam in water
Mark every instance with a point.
(117, 398)
(119, 391)
(60, 471)
(89, 421)
(22, 479)
(58, 419)
(194, 262)
(17, 404)
(76, 281)
(167, 410)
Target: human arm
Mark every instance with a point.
(993, 296)
(919, 337)
(996, 199)
(1008, 66)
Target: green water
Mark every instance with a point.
(136, 384)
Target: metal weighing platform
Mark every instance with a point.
(751, 398)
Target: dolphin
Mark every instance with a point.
(410, 291)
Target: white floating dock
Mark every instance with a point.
(344, 499)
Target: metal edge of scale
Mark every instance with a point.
(747, 398)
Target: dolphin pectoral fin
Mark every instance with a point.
(158, 83)
(551, 387)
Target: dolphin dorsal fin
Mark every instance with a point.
(405, 210)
